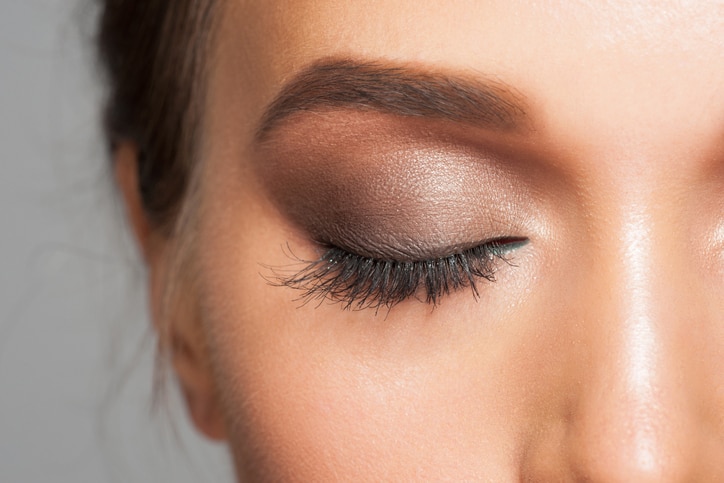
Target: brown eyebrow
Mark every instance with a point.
(398, 90)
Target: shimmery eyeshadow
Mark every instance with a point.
(385, 188)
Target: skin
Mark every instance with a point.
(596, 355)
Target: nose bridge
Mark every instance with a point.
(629, 421)
(636, 334)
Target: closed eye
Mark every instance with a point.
(359, 282)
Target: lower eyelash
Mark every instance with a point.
(359, 282)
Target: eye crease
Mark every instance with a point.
(359, 282)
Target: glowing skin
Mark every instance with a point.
(598, 355)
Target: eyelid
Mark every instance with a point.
(382, 177)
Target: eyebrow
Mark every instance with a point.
(397, 90)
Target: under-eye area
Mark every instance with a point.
(359, 282)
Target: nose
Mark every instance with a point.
(632, 422)
(632, 410)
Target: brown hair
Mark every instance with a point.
(153, 54)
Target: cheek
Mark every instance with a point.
(302, 401)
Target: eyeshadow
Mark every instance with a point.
(387, 188)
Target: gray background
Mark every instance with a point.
(75, 351)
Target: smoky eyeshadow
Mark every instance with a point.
(397, 192)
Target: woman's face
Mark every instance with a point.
(586, 138)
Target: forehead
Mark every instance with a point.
(587, 68)
(428, 28)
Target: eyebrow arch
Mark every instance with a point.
(398, 90)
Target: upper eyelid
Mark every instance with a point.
(361, 206)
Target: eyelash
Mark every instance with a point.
(359, 282)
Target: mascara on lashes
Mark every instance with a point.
(359, 282)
